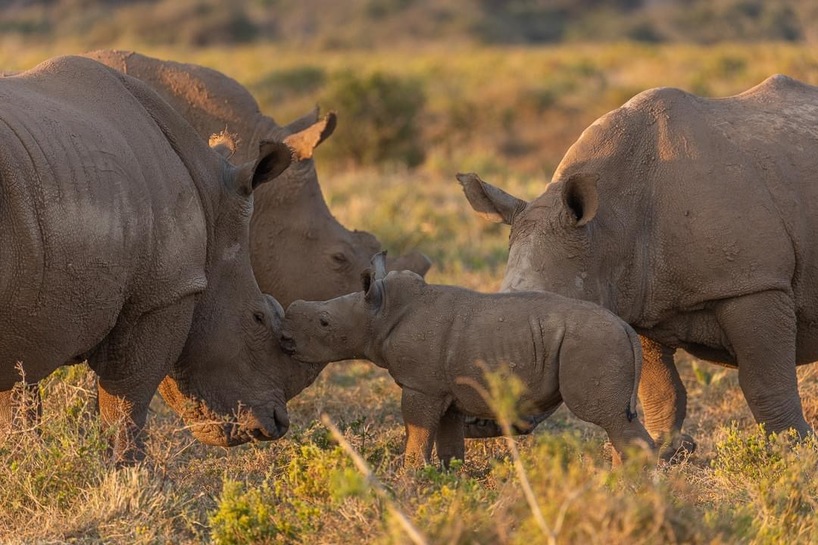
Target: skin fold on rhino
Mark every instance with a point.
(695, 220)
(124, 242)
(438, 342)
(297, 248)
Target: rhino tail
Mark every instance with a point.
(636, 347)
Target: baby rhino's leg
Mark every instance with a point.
(421, 416)
(599, 390)
(449, 441)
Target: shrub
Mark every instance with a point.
(382, 119)
(288, 83)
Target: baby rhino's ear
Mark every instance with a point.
(373, 289)
(366, 279)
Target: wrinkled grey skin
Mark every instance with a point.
(297, 248)
(437, 342)
(695, 221)
(123, 242)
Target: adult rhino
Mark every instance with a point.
(123, 242)
(696, 221)
(297, 248)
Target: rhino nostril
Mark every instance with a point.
(282, 420)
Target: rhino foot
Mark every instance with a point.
(678, 449)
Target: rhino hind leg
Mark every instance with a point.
(130, 363)
(600, 390)
(664, 401)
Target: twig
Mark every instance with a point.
(373, 482)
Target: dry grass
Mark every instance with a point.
(56, 487)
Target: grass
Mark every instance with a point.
(512, 126)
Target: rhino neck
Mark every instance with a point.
(415, 321)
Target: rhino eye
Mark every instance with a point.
(323, 321)
(339, 258)
(259, 317)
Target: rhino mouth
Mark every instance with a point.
(266, 422)
(287, 343)
(242, 428)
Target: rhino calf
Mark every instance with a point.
(438, 341)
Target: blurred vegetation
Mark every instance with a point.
(328, 24)
(386, 111)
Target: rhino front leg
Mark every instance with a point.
(664, 400)
(761, 329)
(421, 415)
(131, 363)
(450, 443)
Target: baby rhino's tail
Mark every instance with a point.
(636, 346)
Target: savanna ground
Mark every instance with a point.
(508, 114)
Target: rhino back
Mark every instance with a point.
(445, 334)
(714, 197)
(98, 212)
(209, 100)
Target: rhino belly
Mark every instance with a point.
(539, 396)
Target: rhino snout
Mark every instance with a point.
(270, 428)
(287, 343)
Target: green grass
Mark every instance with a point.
(512, 126)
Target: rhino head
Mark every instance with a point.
(228, 381)
(298, 249)
(338, 329)
(552, 236)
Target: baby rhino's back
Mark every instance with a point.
(529, 333)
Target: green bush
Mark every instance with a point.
(243, 516)
(287, 83)
(380, 119)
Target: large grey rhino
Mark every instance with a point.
(438, 342)
(297, 248)
(123, 242)
(696, 221)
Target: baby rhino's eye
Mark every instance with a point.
(323, 321)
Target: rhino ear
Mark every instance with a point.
(490, 202)
(304, 141)
(366, 279)
(413, 261)
(373, 289)
(273, 159)
(378, 263)
(580, 197)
